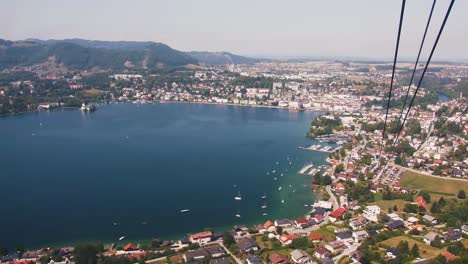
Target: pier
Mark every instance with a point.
(320, 148)
(306, 168)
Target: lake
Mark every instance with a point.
(128, 170)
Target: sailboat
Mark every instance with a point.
(264, 196)
(121, 238)
(238, 214)
(264, 214)
(184, 210)
(264, 206)
(238, 197)
(279, 189)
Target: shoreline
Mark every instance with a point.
(173, 102)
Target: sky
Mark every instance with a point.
(272, 28)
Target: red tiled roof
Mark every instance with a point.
(129, 246)
(449, 256)
(268, 224)
(421, 202)
(201, 235)
(301, 220)
(338, 212)
(315, 236)
(284, 237)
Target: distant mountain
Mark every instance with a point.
(100, 44)
(89, 54)
(85, 54)
(219, 58)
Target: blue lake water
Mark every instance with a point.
(128, 170)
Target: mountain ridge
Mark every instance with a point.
(83, 54)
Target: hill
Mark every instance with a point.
(219, 58)
(91, 54)
(85, 54)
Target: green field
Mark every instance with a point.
(426, 251)
(437, 185)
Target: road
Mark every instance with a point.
(229, 252)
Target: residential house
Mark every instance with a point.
(300, 256)
(429, 218)
(254, 259)
(315, 238)
(393, 253)
(337, 214)
(286, 239)
(269, 226)
(284, 223)
(394, 224)
(360, 235)
(247, 245)
(322, 252)
(201, 238)
(464, 229)
(196, 254)
(358, 223)
(453, 235)
(276, 258)
(345, 236)
(371, 212)
(431, 236)
(216, 251)
(335, 246)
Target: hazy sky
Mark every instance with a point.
(356, 28)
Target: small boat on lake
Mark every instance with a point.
(121, 238)
(184, 210)
(238, 197)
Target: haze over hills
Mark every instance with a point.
(83, 54)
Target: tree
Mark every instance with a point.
(299, 243)
(415, 251)
(403, 247)
(395, 208)
(426, 195)
(3, 251)
(86, 254)
(228, 239)
(327, 180)
(410, 208)
(461, 194)
(434, 208)
(339, 168)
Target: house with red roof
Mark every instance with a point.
(337, 214)
(130, 247)
(449, 256)
(300, 221)
(319, 218)
(421, 202)
(315, 238)
(286, 239)
(269, 226)
(201, 238)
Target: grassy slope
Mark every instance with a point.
(438, 185)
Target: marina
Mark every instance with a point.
(320, 148)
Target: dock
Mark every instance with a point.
(320, 148)
(306, 168)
